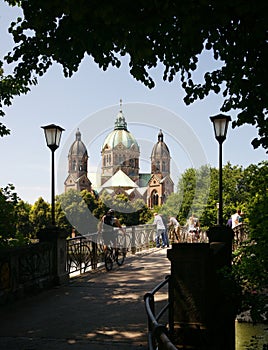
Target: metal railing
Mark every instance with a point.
(158, 333)
(85, 253)
(241, 234)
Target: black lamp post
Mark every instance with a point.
(53, 136)
(220, 123)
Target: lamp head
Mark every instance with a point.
(53, 135)
(220, 123)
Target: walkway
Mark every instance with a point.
(98, 311)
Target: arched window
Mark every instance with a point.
(74, 165)
(131, 163)
(155, 198)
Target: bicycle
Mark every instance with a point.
(112, 255)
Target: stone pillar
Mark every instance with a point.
(190, 293)
(58, 238)
(224, 296)
(202, 309)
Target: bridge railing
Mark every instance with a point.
(159, 333)
(241, 234)
(85, 253)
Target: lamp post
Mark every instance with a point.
(220, 123)
(53, 136)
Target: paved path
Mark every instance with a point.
(98, 311)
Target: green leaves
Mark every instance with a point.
(151, 32)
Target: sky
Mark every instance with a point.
(90, 101)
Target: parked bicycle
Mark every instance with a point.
(112, 255)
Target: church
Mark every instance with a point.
(120, 155)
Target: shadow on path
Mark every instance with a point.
(96, 311)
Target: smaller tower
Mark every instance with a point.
(160, 157)
(160, 184)
(77, 166)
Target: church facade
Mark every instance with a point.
(120, 173)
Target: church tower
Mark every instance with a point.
(160, 157)
(77, 166)
(120, 151)
(160, 184)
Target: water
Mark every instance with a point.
(251, 337)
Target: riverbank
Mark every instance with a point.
(250, 336)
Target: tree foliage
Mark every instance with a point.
(8, 201)
(251, 261)
(173, 33)
(24, 226)
(40, 215)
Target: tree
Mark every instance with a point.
(11, 86)
(40, 215)
(8, 202)
(193, 191)
(128, 212)
(23, 225)
(251, 261)
(77, 212)
(172, 33)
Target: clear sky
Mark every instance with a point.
(90, 101)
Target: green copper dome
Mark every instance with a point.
(120, 134)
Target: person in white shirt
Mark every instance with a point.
(236, 218)
(174, 224)
(160, 231)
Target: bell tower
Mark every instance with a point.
(77, 166)
(160, 184)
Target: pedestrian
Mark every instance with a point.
(166, 229)
(174, 225)
(106, 225)
(193, 223)
(193, 228)
(236, 218)
(229, 222)
(160, 231)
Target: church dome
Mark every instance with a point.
(78, 148)
(120, 134)
(160, 149)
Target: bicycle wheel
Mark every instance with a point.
(108, 260)
(120, 256)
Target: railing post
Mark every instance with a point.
(58, 238)
(133, 240)
(94, 257)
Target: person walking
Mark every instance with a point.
(160, 231)
(236, 217)
(175, 229)
(164, 219)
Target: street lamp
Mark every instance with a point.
(53, 136)
(220, 123)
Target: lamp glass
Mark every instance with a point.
(53, 135)
(220, 123)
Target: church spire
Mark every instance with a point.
(120, 122)
(160, 136)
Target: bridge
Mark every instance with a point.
(98, 310)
